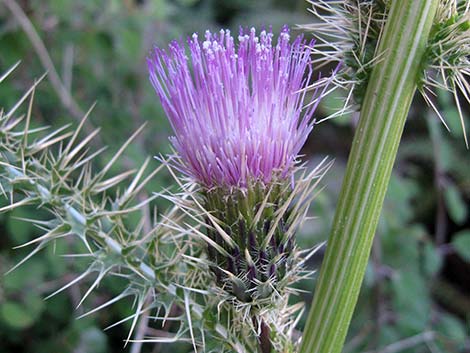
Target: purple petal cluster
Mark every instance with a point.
(235, 109)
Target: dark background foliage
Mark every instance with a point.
(416, 296)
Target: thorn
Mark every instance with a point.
(112, 301)
(188, 315)
(9, 71)
(26, 95)
(71, 283)
(30, 255)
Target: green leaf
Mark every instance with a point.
(34, 304)
(432, 261)
(93, 340)
(400, 247)
(397, 207)
(370, 275)
(15, 315)
(455, 204)
(411, 302)
(388, 335)
(58, 308)
(461, 243)
(452, 328)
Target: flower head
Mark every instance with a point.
(235, 109)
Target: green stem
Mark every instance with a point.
(386, 105)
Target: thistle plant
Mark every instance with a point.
(389, 50)
(223, 260)
(239, 126)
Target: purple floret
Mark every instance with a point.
(235, 109)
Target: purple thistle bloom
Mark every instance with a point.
(235, 111)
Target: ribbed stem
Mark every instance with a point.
(388, 98)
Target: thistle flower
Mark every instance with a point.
(235, 112)
(236, 115)
(239, 122)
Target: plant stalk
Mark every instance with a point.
(390, 91)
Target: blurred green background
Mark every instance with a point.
(416, 296)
